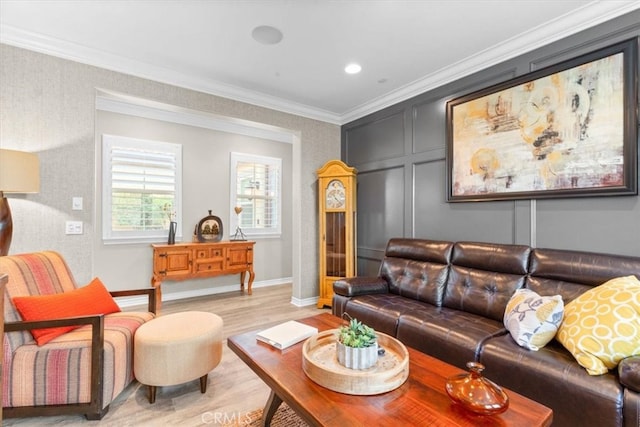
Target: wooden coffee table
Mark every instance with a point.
(421, 400)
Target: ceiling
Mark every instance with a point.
(404, 47)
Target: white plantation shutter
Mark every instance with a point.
(256, 188)
(141, 187)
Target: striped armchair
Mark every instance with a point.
(79, 372)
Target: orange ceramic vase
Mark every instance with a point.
(476, 393)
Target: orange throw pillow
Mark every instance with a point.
(88, 300)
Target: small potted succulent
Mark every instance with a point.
(357, 345)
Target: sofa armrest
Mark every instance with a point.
(152, 293)
(629, 373)
(353, 286)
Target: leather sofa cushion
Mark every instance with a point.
(380, 311)
(485, 293)
(484, 276)
(631, 408)
(567, 290)
(552, 377)
(418, 280)
(501, 258)
(417, 268)
(435, 251)
(353, 286)
(629, 372)
(571, 273)
(447, 334)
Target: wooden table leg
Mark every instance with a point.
(252, 276)
(273, 403)
(152, 393)
(157, 284)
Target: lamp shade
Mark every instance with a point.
(19, 172)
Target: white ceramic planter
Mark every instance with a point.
(357, 358)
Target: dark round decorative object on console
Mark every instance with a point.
(209, 229)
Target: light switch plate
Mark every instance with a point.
(73, 227)
(76, 203)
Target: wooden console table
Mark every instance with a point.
(197, 260)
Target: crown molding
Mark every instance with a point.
(588, 16)
(79, 53)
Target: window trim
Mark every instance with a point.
(117, 237)
(236, 157)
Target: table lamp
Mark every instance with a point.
(19, 173)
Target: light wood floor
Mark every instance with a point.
(233, 389)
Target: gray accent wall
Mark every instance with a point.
(399, 153)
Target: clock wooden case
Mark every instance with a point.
(337, 217)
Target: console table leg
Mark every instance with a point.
(273, 403)
(242, 276)
(252, 276)
(157, 284)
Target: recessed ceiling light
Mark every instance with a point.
(352, 68)
(266, 34)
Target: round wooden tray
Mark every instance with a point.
(320, 363)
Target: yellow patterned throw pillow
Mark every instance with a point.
(531, 319)
(602, 326)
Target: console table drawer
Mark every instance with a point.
(209, 253)
(209, 266)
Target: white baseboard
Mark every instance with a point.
(173, 296)
(303, 302)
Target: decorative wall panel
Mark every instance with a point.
(381, 139)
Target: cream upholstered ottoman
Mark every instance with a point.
(177, 348)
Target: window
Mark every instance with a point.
(142, 188)
(255, 187)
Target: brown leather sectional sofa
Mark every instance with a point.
(447, 299)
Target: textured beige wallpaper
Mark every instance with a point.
(47, 105)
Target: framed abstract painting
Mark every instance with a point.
(567, 130)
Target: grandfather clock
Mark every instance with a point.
(337, 208)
